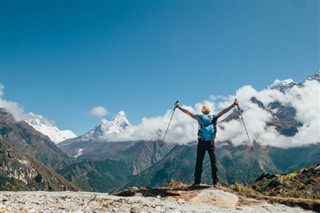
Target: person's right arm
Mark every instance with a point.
(186, 111)
(235, 103)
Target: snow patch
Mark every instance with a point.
(79, 152)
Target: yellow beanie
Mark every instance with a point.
(205, 110)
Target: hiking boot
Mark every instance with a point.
(216, 184)
(196, 184)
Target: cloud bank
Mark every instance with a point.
(183, 129)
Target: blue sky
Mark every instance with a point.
(62, 58)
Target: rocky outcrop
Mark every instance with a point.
(304, 183)
(19, 171)
(100, 202)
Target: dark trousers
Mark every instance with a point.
(202, 148)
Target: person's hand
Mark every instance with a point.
(236, 103)
(176, 104)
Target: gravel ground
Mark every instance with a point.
(59, 202)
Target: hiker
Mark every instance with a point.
(206, 135)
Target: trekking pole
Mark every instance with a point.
(165, 134)
(244, 125)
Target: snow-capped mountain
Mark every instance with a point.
(315, 76)
(48, 128)
(105, 127)
(288, 83)
(282, 84)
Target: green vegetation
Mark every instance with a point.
(299, 188)
(244, 190)
(303, 184)
(10, 184)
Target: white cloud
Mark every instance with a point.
(183, 129)
(98, 111)
(304, 99)
(14, 108)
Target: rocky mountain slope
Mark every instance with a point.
(23, 137)
(304, 183)
(297, 188)
(19, 171)
(98, 175)
(114, 165)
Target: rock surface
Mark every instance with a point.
(216, 198)
(205, 200)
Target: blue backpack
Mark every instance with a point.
(207, 129)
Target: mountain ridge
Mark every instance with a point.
(115, 164)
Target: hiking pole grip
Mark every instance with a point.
(175, 105)
(237, 104)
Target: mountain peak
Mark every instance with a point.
(315, 76)
(121, 113)
(118, 123)
(281, 84)
(35, 120)
(120, 117)
(48, 128)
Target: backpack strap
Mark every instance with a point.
(214, 122)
